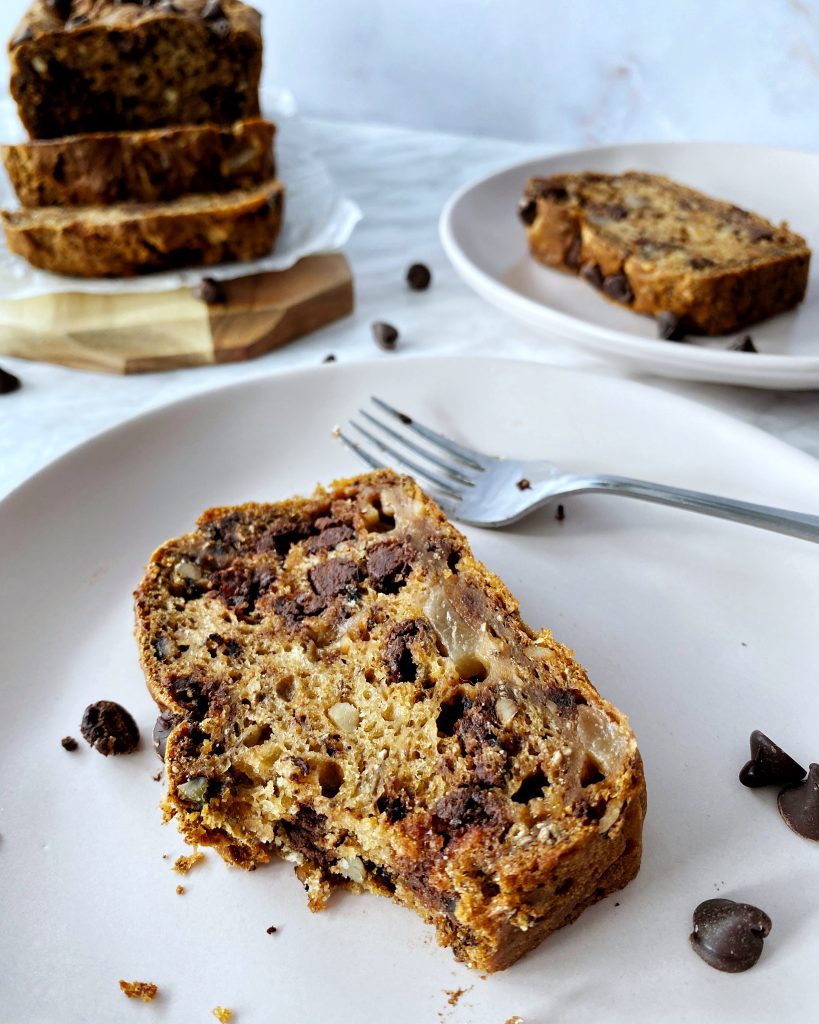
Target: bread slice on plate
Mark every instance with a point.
(142, 166)
(345, 686)
(104, 65)
(656, 247)
(132, 238)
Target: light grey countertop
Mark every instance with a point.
(401, 179)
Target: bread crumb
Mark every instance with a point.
(515, 1020)
(222, 1014)
(180, 889)
(144, 990)
(157, 777)
(182, 865)
(455, 995)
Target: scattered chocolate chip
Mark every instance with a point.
(769, 764)
(744, 343)
(669, 327)
(109, 728)
(523, 484)
(389, 564)
(560, 514)
(62, 8)
(163, 727)
(331, 534)
(333, 577)
(212, 10)
(760, 233)
(527, 210)
(616, 286)
(23, 37)
(329, 358)
(592, 274)
(572, 257)
(210, 291)
(728, 935)
(799, 805)
(68, 743)
(271, 930)
(8, 382)
(385, 335)
(419, 277)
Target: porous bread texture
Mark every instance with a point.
(142, 166)
(119, 66)
(353, 691)
(655, 246)
(131, 238)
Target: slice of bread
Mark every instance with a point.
(142, 167)
(132, 238)
(658, 247)
(104, 65)
(347, 687)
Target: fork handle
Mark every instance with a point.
(780, 520)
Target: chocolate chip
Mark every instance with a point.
(62, 8)
(769, 764)
(669, 327)
(329, 358)
(527, 210)
(68, 743)
(728, 935)
(592, 274)
(163, 727)
(385, 335)
(401, 667)
(419, 277)
(560, 514)
(572, 257)
(23, 37)
(8, 382)
(389, 564)
(211, 291)
(744, 343)
(760, 233)
(616, 286)
(271, 930)
(109, 728)
(332, 577)
(799, 805)
(523, 484)
(331, 536)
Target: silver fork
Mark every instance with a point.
(485, 490)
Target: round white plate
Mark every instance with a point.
(701, 630)
(486, 243)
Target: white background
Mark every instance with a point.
(561, 71)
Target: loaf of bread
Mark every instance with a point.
(151, 166)
(131, 238)
(106, 66)
(658, 247)
(344, 685)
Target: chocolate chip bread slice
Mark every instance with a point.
(142, 167)
(657, 247)
(132, 238)
(345, 686)
(108, 65)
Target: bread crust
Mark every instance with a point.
(152, 166)
(655, 246)
(426, 801)
(117, 67)
(130, 239)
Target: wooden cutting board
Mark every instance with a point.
(146, 331)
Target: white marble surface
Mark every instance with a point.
(401, 179)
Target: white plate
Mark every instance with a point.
(485, 241)
(701, 630)
(317, 217)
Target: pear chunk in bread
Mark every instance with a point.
(344, 685)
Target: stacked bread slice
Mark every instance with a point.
(147, 151)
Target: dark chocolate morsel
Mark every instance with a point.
(419, 277)
(8, 382)
(769, 764)
(329, 358)
(728, 935)
(68, 743)
(799, 805)
(669, 327)
(527, 210)
(109, 728)
(616, 286)
(744, 343)
(523, 484)
(591, 273)
(385, 335)
(210, 291)
(163, 727)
